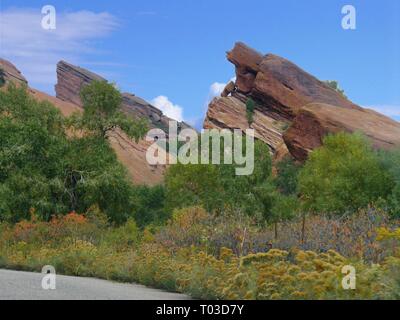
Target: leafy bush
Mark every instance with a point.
(286, 179)
(102, 114)
(189, 255)
(215, 187)
(2, 80)
(391, 162)
(149, 205)
(250, 105)
(191, 185)
(335, 86)
(69, 173)
(343, 175)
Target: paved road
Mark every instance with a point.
(28, 286)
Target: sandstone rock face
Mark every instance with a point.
(284, 88)
(247, 62)
(229, 113)
(315, 120)
(71, 79)
(229, 88)
(137, 107)
(10, 73)
(294, 110)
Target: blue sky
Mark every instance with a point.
(176, 48)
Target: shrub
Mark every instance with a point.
(102, 116)
(2, 80)
(391, 162)
(286, 179)
(335, 86)
(123, 237)
(195, 261)
(69, 173)
(250, 105)
(193, 185)
(343, 175)
(149, 205)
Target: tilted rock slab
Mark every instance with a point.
(131, 154)
(294, 110)
(11, 73)
(316, 120)
(71, 79)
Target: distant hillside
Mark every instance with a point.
(131, 154)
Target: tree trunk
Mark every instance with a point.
(303, 228)
(276, 230)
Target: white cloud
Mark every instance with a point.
(388, 110)
(216, 89)
(168, 108)
(36, 51)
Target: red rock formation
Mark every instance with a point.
(132, 155)
(71, 79)
(247, 62)
(284, 88)
(287, 96)
(229, 113)
(315, 120)
(10, 73)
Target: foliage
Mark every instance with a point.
(215, 187)
(335, 86)
(32, 147)
(391, 162)
(2, 75)
(149, 205)
(352, 236)
(286, 179)
(191, 185)
(102, 114)
(207, 231)
(81, 245)
(343, 175)
(93, 175)
(250, 105)
(69, 173)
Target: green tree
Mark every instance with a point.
(284, 208)
(193, 185)
(32, 147)
(92, 175)
(254, 193)
(217, 187)
(343, 175)
(102, 114)
(390, 160)
(2, 79)
(42, 168)
(149, 205)
(335, 86)
(250, 105)
(286, 179)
